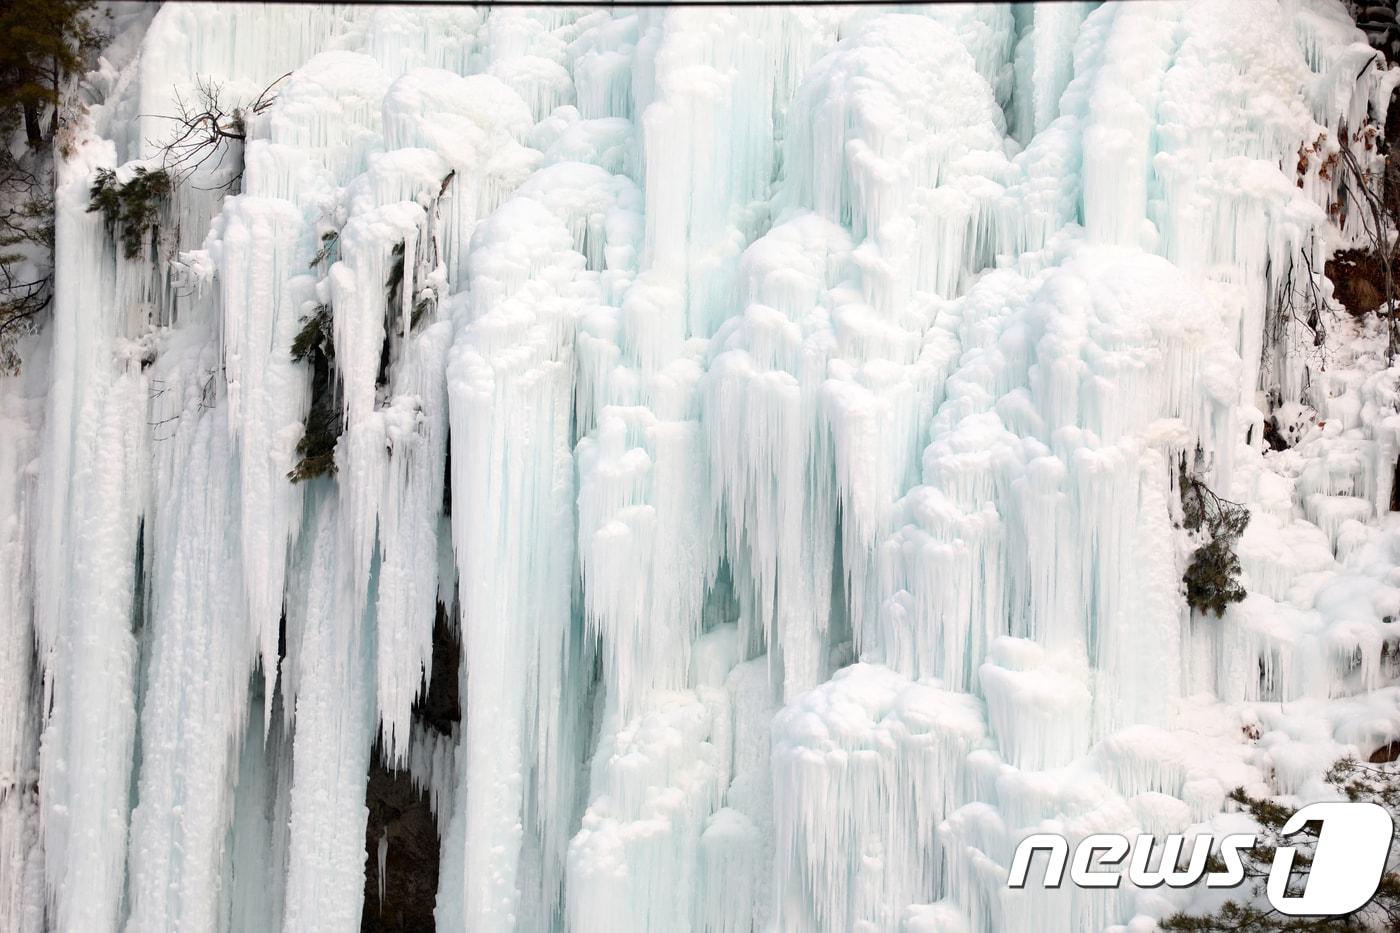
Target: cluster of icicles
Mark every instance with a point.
(784, 405)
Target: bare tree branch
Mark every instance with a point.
(206, 127)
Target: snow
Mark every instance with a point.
(783, 407)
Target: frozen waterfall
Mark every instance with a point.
(776, 411)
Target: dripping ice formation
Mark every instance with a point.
(781, 407)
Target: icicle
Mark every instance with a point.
(509, 375)
(93, 493)
(867, 754)
(334, 730)
(382, 856)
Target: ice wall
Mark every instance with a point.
(785, 407)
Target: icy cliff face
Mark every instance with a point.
(784, 407)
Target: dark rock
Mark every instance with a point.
(411, 869)
(440, 706)
(1385, 754)
(403, 812)
(1358, 279)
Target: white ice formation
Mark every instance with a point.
(785, 407)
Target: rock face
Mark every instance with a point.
(400, 814)
(1358, 277)
(1378, 21)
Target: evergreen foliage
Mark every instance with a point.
(314, 336)
(324, 421)
(1356, 781)
(132, 208)
(1212, 578)
(393, 288)
(328, 242)
(42, 42)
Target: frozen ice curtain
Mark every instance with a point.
(790, 413)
